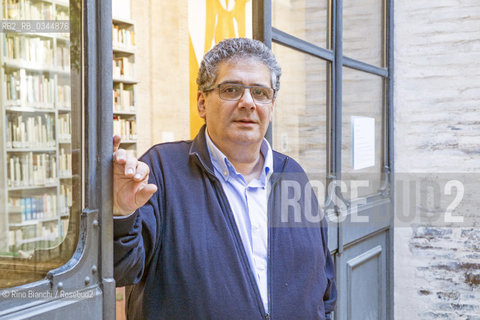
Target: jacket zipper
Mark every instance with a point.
(239, 243)
(269, 241)
(269, 265)
(269, 249)
(265, 313)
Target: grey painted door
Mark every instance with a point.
(334, 115)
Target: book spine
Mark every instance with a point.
(34, 208)
(8, 129)
(28, 205)
(46, 206)
(31, 131)
(23, 207)
(18, 172)
(40, 206)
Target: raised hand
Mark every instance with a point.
(131, 189)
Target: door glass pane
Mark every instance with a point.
(363, 31)
(299, 120)
(40, 166)
(304, 19)
(362, 131)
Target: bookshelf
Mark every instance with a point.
(35, 139)
(124, 81)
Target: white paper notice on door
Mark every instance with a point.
(363, 142)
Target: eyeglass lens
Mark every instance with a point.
(233, 92)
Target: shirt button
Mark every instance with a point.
(225, 173)
(261, 267)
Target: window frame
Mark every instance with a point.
(265, 32)
(91, 266)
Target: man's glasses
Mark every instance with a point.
(235, 91)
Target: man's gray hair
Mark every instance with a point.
(235, 48)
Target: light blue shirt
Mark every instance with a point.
(249, 206)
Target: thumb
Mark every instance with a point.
(144, 194)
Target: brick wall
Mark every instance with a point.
(437, 129)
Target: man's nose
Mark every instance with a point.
(246, 100)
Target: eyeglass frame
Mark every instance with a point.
(244, 87)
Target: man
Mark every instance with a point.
(210, 236)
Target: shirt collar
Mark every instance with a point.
(225, 168)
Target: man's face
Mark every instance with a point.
(237, 123)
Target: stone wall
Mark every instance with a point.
(437, 130)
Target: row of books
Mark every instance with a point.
(64, 163)
(123, 100)
(127, 129)
(123, 37)
(64, 126)
(40, 206)
(63, 57)
(31, 169)
(33, 208)
(66, 198)
(32, 50)
(64, 95)
(123, 67)
(26, 88)
(28, 10)
(30, 131)
(42, 234)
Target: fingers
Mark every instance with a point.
(145, 193)
(116, 142)
(132, 167)
(142, 171)
(120, 156)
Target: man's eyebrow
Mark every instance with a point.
(240, 82)
(231, 81)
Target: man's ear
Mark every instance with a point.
(201, 103)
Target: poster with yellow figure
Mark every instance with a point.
(209, 22)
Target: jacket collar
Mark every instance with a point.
(199, 153)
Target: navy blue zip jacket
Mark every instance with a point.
(182, 256)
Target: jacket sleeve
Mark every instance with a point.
(330, 296)
(136, 236)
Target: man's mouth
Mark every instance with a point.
(246, 121)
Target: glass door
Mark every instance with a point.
(40, 184)
(334, 114)
(51, 230)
